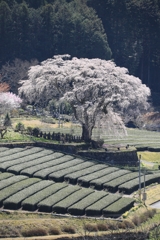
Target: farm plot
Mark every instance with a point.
(16, 187)
(96, 208)
(79, 207)
(118, 207)
(85, 180)
(5, 175)
(59, 175)
(73, 177)
(21, 152)
(44, 173)
(46, 204)
(14, 201)
(47, 196)
(11, 180)
(62, 206)
(132, 185)
(31, 202)
(57, 159)
(16, 165)
(112, 185)
(98, 183)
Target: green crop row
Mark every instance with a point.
(85, 180)
(46, 204)
(5, 175)
(79, 207)
(118, 207)
(19, 154)
(27, 160)
(112, 185)
(12, 189)
(62, 206)
(9, 181)
(72, 177)
(59, 175)
(9, 152)
(47, 161)
(47, 171)
(96, 208)
(14, 201)
(98, 183)
(132, 185)
(17, 168)
(3, 149)
(31, 202)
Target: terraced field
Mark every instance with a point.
(34, 178)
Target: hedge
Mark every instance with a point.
(5, 175)
(9, 152)
(46, 204)
(98, 183)
(2, 149)
(119, 207)
(112, 185)
(7, 192)
(96, 208)
(133, 185)
(31, 202)
(47, 171)
(85, 180)
(14, 201)
(29, 171)
(72, 177)
(9, 181)
(18, 164)
(79, 207)
(62, 206)
(59, 175)
(21, 153)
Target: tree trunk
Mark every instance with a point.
(86, 133)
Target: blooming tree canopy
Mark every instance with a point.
(8, 101)
(96, 89)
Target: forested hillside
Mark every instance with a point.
(127, 31)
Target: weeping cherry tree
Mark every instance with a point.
(96, 89)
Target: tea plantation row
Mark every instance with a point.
(46, 164)
(47, 196)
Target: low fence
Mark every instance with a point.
(60, 137)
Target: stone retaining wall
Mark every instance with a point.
(114, 157)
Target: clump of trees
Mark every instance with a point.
(97, 90)
(8, 102)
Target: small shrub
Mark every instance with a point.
(36, 131)
(34, 232)
(54, 231)
(112, 225)
(19, 127)
(29, 130)
(91, 227)
(102, 227)
(128, 224)
(121, 225)
(150, 213)
(69, 229)
(48, 120)
(136, 220)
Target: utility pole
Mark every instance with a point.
(144, 196)
(139, 168)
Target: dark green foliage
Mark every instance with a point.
(46, 204)
(118, 207)
(19, 127)
(7, 121)
(96, 208)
